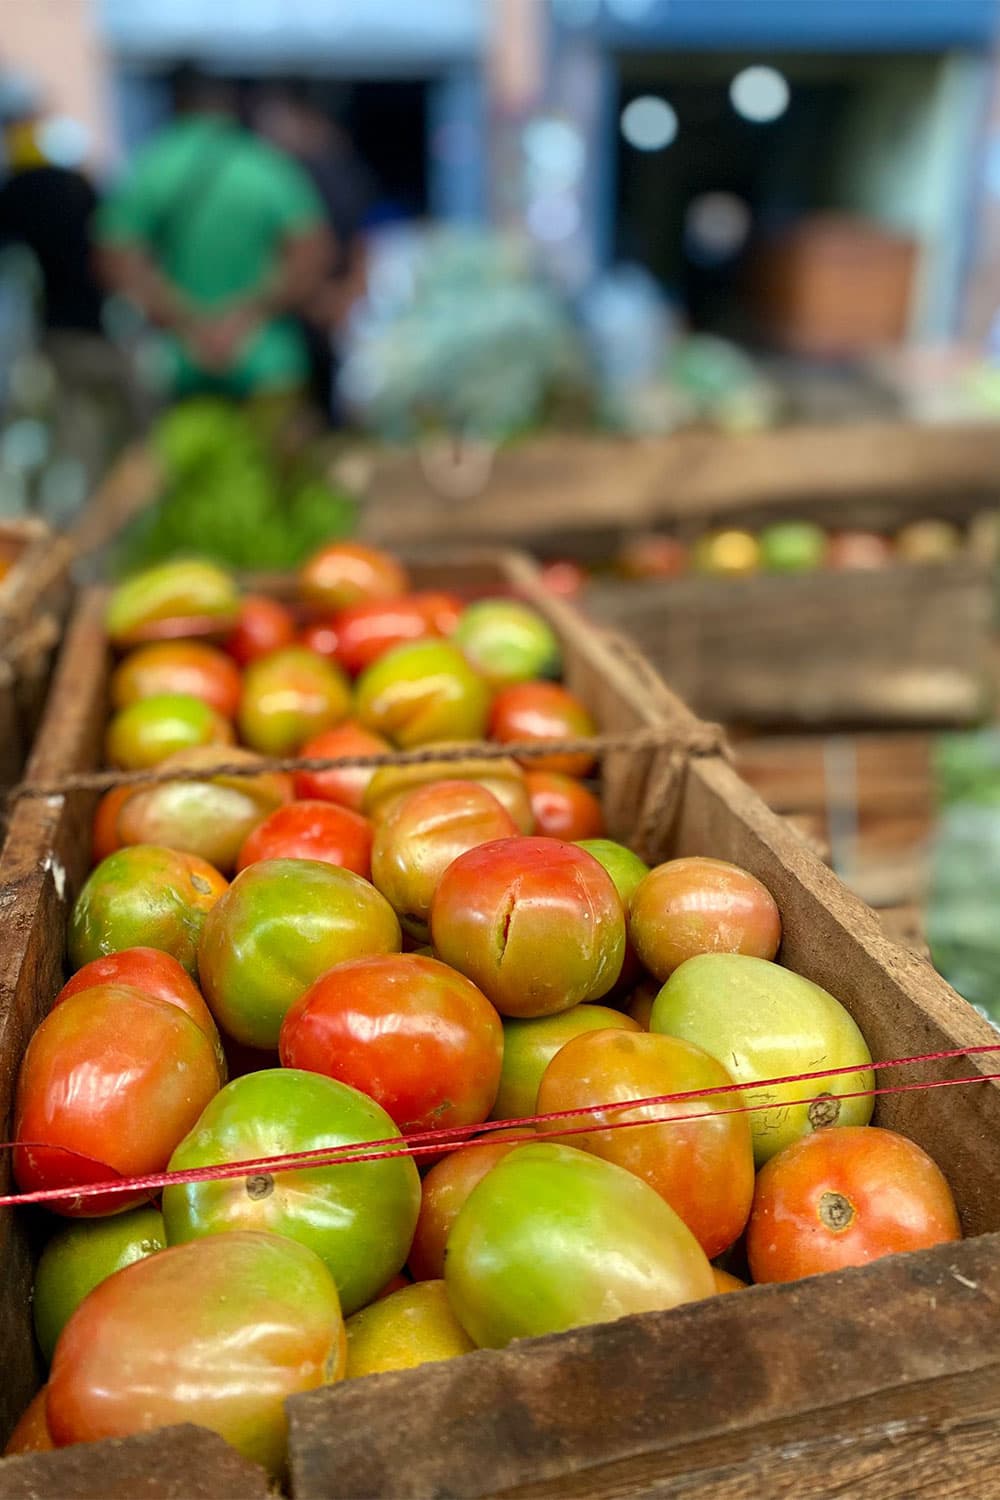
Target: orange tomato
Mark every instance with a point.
(31, 1435)
(347, 787)
(105, 838)
(542, 711)
(346, 573)
(189, 667)
(563, 808)
(842, 1197)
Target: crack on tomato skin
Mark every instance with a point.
(505, 916)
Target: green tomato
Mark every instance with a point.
(792, 547)
(288, 697)
(626, 869)
(529, 1046)
(508, 642)
(281, 924)
(762, 1021)
(423, 692)
(146, 732)
(359, 1219)
(553, 1238)
(190, 589)
(80, 1256)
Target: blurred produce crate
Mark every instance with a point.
(35, 595)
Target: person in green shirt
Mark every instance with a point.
(220, 239)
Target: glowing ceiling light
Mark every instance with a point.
(759, 94)
(648, 123)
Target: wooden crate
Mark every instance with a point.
(910, 645)
(34, 599)
(889, 1371)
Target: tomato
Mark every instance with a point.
(726, 553)
(364, 632)
(151, 971)
(262, 626)
(651, 555)
(110, 1082)
(31, 1435)
(859, 549)
(641, 1001)
(188, 667)
(504, 778)
(441, 610)
(346, 573)
(564, 578)
(290, 696)
(553, 1238)
(698, 905)
(422, 834)
(282, 924)
(529, 1047)
(104, 834)
(218, 1333)
(508, 641)
(423, 692)
(531, 711)
(312, 830)
(843, 1198)
(626, 869)
(725, 1282)
(446, 1187)
(536, 923)
(320, 636)
(348, 786)
(394, 1284)
(147, 897)
(414, 1326)
(147, 732)
(563, 808)
(761, 1022)
(80, 1256)
(183, 598)
(703, 1167)
(407, 1031)
(208, 818)
(358, 1218)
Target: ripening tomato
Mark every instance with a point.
(290, 696)
(181, 599)
(346, 573)
(532, 711)
(281, 924)
(504, 778)
(699, 905)
(31, 1435)
(348, 786)
(312, 830)
(726, 1282)
(446, 1187)
(843, 1198)
(529, 1046)
(81, 1255)
(441, 610)
(563, 807)
(652, 555)
(702, 1167)
(422, 834)
(146, 732)
(407, 1031)
(263, 626)
(105, 838)
(423, 692)
(564, 578)
(189, 667)
(219, 1333)
(554, 1238)
(358, 1217)
(208, 818)
(364, 632)
(110, 1082)
(144, 897)
(320, 636)
(536, 923)
(413, 1326)
(154, 973)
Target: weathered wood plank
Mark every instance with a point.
(174, 1463)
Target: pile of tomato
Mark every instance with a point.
(372, 953)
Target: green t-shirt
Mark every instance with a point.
(213, 204)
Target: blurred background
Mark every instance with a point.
(666, 291)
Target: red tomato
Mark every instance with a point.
(346, 573)
(312, 830)
(445, 1189)
(407, 1031)
(565, 578)
(31, 1435)
(111, 1081)
(842, 1197)
(542, 711)
(154, 973)
(189, 667)
(105, 838)
(563, 808)
(702, 1167)
(365, 631)
(347, 787)
(699, 905)
(218, 1332)
(321, 637)
(441, 610)
(263, 626)
(652, 556)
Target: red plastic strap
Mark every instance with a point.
(434, 1142)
